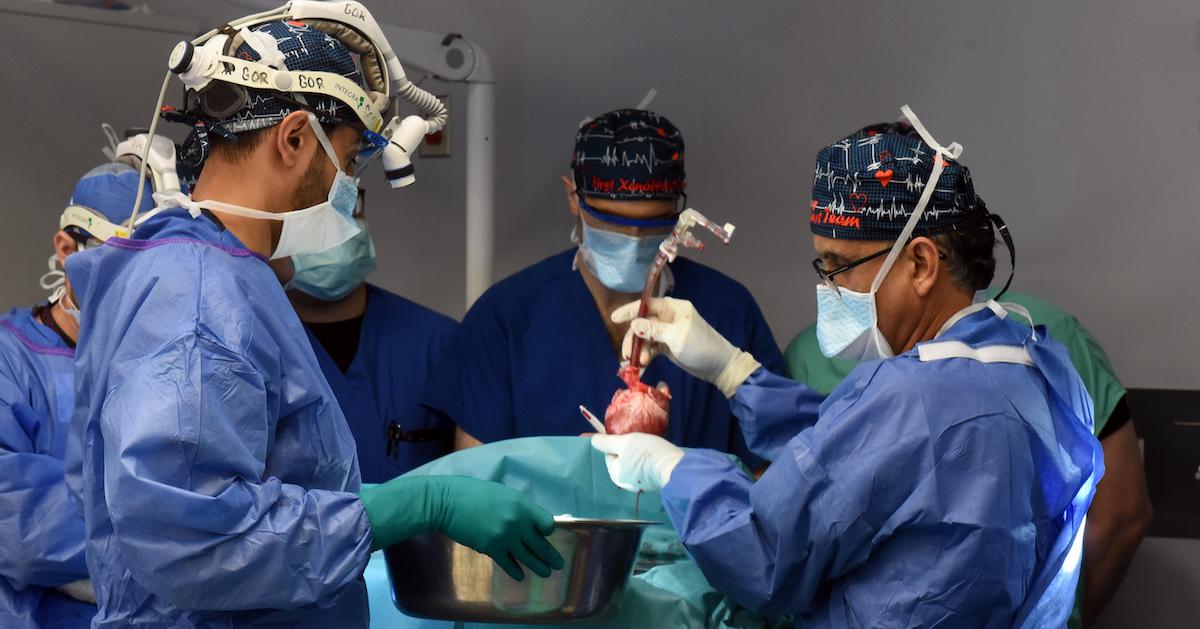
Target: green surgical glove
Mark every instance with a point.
(485, 516)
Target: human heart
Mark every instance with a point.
(638, 408)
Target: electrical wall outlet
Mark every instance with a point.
(438, 144)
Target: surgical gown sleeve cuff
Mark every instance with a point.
(772, 409)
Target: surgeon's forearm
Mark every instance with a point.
(733, 525)
(258, 546)
(772, 409)
(708, 501)
(1118, 519)
(463, 440)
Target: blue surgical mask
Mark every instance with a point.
(332, 274)
(620, 262)
(848, 325)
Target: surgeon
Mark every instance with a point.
(43, 577)
(1121, 512)
(945, 481)
(540, 343)
(376, 349)
(220, 485)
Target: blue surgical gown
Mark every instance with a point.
(398, 346)
(534, 347)
(919, 494)
(219, 476)
(40, 525)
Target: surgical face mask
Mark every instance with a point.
(332, 274)
(68, 306)
(310, 230)
(620, 262)
(848, 326)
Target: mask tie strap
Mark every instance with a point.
(164, 200)
(324, 140)
(939, 164)
(54, 280)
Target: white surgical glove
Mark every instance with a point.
(673, 327)
(80, 590)
(638, 461)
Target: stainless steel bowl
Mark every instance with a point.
(435, 577)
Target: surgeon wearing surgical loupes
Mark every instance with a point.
(945, 481)
(220, 482)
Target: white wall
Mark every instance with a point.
(1080, 122)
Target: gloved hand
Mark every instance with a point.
(485, 516)
(673, 326)
(638, 461)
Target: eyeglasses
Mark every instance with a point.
(827, 276)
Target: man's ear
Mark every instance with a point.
(64, 245)
(927, 264)
(572, 200)
(294, 140)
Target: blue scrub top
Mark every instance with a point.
(534, 347)
(219, 477)
(40, 525)
(398, 346)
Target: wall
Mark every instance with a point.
(1080, 122)
(1078, 119)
